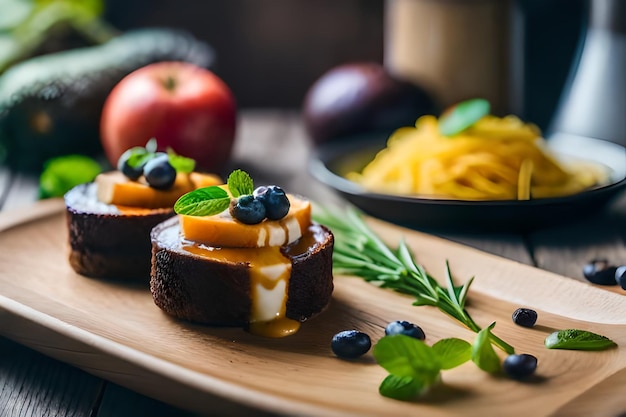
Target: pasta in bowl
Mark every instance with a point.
(494, 159)
(599, 169)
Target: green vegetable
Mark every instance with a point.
(360, 252)
(414, 367)
(209, 201)
(574, 339)
(51, 105)
(462, 116)
(65, 172)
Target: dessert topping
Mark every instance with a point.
(159, 168)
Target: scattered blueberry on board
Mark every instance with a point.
(519, 366)
(350, 344)
(620, 276)
(406, 328)
(600, 271)
(525, 317)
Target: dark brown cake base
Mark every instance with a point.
(107, 243)
(203, 290)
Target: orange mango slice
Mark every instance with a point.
(114, 188)
(222, 230)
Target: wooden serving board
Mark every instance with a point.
(116, 332)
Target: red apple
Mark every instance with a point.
(185, 107)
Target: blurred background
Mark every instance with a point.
(270, 52)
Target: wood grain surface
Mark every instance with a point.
(116, 332)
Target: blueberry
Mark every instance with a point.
(275, 201)
(130, 172)
(520, 366)
(525, 317)
(248, 210)
(159, 173)
(600, 272)
(620, 276)
(350, 344)
(406, 328)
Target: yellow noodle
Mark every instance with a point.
(495, 159)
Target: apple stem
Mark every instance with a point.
(170, 83)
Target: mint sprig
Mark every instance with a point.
(575, 339)
(240, 183)
(212, 200)
(414, 367)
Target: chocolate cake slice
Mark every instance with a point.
(213, 286)
(108, 241)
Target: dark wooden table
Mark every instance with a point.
(273, 147)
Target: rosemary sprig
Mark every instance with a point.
(359, 251)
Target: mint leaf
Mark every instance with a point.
(137, 156)
(406, 356)
(463, 115)
(205, 201)
(575, 339)
(181, 163)
(240, 183)
(483, 354)
(402, 387)
(62, 173)
(452, 352)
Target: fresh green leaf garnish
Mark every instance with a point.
(406, 356)
(575, 339)
(402, 388)
(240, 183)
(463, 115)
(360, 252)
(483, 354)
(452, 352)
(206, 201)
(181, 163)
(62, 173)
(137, 156)
(414, 367)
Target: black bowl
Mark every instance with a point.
(331, 161)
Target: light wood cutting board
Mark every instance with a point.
(116, 332)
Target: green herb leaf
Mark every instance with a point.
(483, 354)
(575, 339)
(62, 173)
(412, 364)
(205, 201)
(406, 356)
(452, 352)
(402, 388)
(137, 156)
(181, 163)
(240, 183)
(463, 115)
